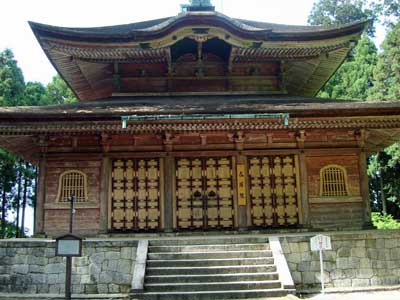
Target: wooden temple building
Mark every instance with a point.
(199, 122)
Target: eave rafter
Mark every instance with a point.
(261, 54)
(111, 54)
(149, 53)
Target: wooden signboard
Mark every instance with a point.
(241, 185)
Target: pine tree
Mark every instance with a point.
(58, 92)
(354, 78)
(386, 80)
(338, 12)
(7, 180)
(12, 83)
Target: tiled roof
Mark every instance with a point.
(134, 30)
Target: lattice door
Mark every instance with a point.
(204, 194)
(273, 188)
(136, 195)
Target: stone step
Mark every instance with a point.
(212, 286)
(216, 247)
(208, 240)
(210, 262)
(211, 277)
(213, 295)
(203, 270)
(209, 254)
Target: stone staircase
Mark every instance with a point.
(236, 268)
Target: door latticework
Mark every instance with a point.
(273, 184)
(204, 193)
(136, 195)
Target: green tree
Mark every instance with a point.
(12, 83)
(57, 92)
(35, 94)
(384, 169)
(7, 183)
(384, 181)
(338, 12)
(389, 10)
(386, 79)
(354, 78)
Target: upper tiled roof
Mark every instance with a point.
(88, 58)
(139, 30)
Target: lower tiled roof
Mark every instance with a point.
(114, 108)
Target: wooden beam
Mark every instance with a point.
(364, 189)
(41, 196)
(116, 78)
(104, 193)
(169, 175)
(305, 208)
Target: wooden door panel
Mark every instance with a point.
(204, 193)
(273, 190)
(136, 195)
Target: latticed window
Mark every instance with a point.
(333, 181)
(72, 183)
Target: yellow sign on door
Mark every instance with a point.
(241, 184)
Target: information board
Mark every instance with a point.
(320, 242)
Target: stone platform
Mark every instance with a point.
(106, 270)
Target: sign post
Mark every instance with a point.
(69, 246)
(319, 243)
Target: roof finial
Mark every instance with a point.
(198, 5)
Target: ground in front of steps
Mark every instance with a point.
(370, 295)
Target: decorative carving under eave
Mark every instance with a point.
(168, 142)
(361, 135)
(239, 140)
(203, 139)
(105, 142)
(301, 138)
(42, 142)
(201, 38)
(270, 138)
(74, 142)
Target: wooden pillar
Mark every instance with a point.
(104, 193)
(41, 196)
(169, 180)
(304, 189)
(364, 188)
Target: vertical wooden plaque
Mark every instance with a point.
(241, 184)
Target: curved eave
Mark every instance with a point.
(162, 27)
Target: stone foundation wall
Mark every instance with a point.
(30, 267)
(370, 258)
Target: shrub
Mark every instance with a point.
(384, 221)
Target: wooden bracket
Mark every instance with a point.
(301, 138)
(105, 142)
